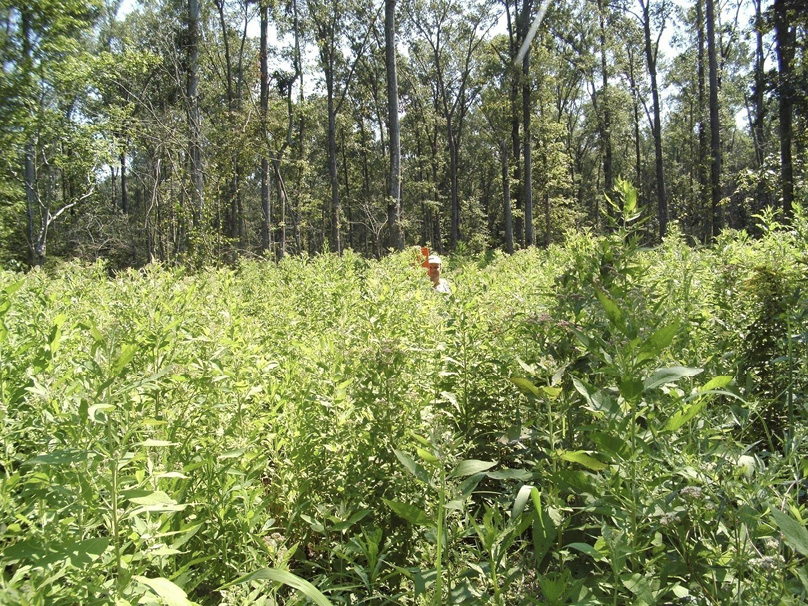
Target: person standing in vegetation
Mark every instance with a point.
(434, 268)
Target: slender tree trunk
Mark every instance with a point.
(194, 147)
(332, 165)
(785, 39)
(527, 189)
(703, 151)
(454, 234)
(394, 204)
(715, 125)
(635, 105)
(650, 55)
(516, 32)
(266, 210)
(606, 134)
(506, 197)
(35, 247)
(124, 191)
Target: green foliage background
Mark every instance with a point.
(592, 423)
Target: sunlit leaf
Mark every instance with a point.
(793, 531)
(670, 375)
(172, 594)
(470, 467)
(582, 458)
(411, 513)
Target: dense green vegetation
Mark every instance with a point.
(594, 423)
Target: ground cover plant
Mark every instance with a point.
(595, 423)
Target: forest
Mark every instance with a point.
(204, 132)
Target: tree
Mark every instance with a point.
(785, 35)
(715, 124)
(194, 116)
(394, 204)
(332, 21)
(48, 70)
(445, 52)
(655, 15)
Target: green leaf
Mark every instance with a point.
(470, 467)
(664, 376)
(148, 497)
(410, 465)
(315, 525)
(685, 415)
(520, 501)
(794, 531)
(613, 312)
(525, 386)
(551, 392)
(55, 336)
(598, 401)
(411, 513)
(14, 287)
(639, 586)
(345, 524)
(168, 591)
(631, 389)
(87, 551)
(661, 339)
(587, 549)
(719, 382)
(544, 529)
(157, 443)
(510, 474)
(286, 578)
(127, 353)
(582, 458)
(58, 457)
(426, 455)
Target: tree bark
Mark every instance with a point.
(266, 210)
(194, 125)
(332, 165)
(124, 191)
(650, 56)
(715, 125)
(785, 39)
(606, 130)
(506, 197)
(394, 204)
(527, 188)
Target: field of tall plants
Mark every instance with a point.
(596, 423)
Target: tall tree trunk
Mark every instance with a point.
(785, 39)
(516, 32)
(454, 233)
(635, 105)
(336, 246)
(703, 150)
(758, 126)
(527, 189)
(606, 131)
(650, 56)
(266, 210)
(506, 197)
(124, 191)
(194, 124)
(35, 247)
(394, 204)
(715, 126)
